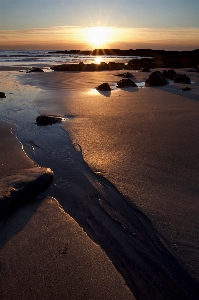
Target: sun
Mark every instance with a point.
(98, 36)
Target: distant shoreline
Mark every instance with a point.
(180, 59)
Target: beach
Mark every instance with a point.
(125, 166)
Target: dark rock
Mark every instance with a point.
(104, 87)
(126, 82)
(35, 70)
(138, 63)
(2, 95)
(145, 70)
(169, 74)
(179, 78)
(192, 70)
(22, 187)
(81, 67)
(125, 75)
(44, 120)
(186, 89)
(156, 79)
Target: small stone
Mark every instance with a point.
(145, 70)
(2, 95)
(186, 89)
(35, 70)
(45, 120)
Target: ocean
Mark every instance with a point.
(49, 57)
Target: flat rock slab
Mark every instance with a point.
(22, 187)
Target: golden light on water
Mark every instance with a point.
(98, 60)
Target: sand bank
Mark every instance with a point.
(113, 221)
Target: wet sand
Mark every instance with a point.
(44, 254)
(143, 140)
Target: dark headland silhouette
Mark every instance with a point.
(159, 58)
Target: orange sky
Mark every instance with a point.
(77, 37)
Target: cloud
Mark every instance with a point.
(77, 35)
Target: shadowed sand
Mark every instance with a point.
(137, 119)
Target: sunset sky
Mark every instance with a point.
(90, 24)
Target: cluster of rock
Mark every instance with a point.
(81, 67)
(157, 78)
(120, 84)
(144, 64)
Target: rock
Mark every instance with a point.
(125, 75)
(156, 79)
(22, 187)
(169, 74)
(145, 70)
(45, 120)
(126, 82)
(81, 67)
(104, 87)
(179, 78)
(144, 62)
(186, 89)
(35, 70)
(2, 95)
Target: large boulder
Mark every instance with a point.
(103, 87)
(169, 74)
(126, 82)
(156, 79)
(179, 78)
(45, 120)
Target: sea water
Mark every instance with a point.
(50, 57)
